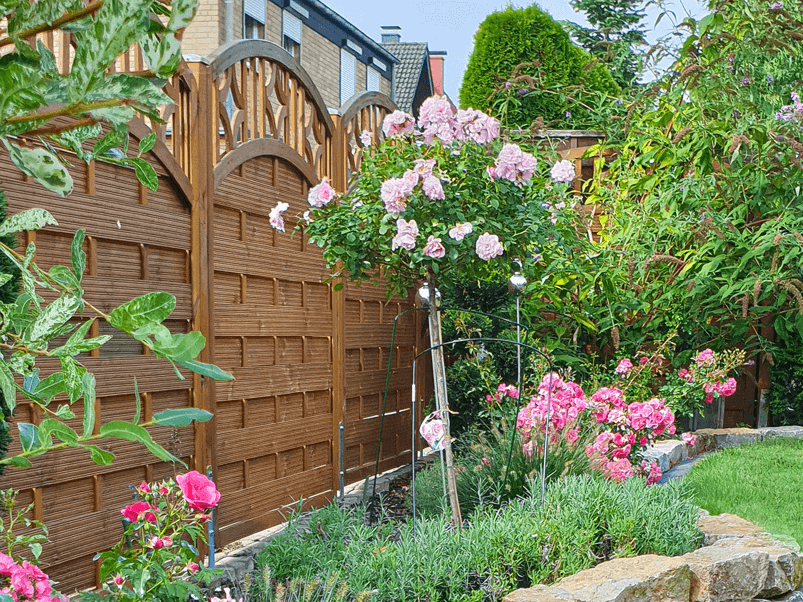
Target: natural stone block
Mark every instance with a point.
(639, 579)
(723, 526)
(726, 438)
(781, 431)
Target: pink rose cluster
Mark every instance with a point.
(562, 172)
(624, 367)
(629, 429)
(395, 192)
(513, 164)
(25, 582)
(564, 403)
(793, 112)
(708, 373)
(437, 120)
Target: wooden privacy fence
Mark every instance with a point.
(247, 129)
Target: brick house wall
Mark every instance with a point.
(320, 54)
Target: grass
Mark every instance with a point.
(584, 521)
(762, 483)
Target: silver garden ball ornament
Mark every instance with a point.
(423, 296)
(517, 283)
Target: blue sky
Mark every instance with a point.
(450, 24)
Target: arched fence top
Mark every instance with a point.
(238, 50)
(363, 101)
(260, 91)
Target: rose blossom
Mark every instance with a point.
(394, 193)
(689, 438)
(476, 126)
(144, 487)
(424, 167)
(728, 388)
(405, 235)
(434, 248)
(398, 124)
(460, 231)
(705, 358)
(139, 511)
(562, 171)
(199, 492)
(433, 188)
(275, 217)
(366, 138)
(321, 194)
(488, 246)
(437, 119)
(514, 164)
(624, 367)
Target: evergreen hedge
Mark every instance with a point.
(512, 37)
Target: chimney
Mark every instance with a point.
(436, 58)
(391, 33)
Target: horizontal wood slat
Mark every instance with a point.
(266, 497)
(373, 381)
(255, 320)
(240, 444)
(138, 223)
(264, 260)
(377, 335)
(275, 380)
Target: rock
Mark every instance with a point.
(234, 569)
(785, 570)
(639, 579)
(726, 438)
(781, 431)
(795, 596)
(725, 525)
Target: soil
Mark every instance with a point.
(392, 504)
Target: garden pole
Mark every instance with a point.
(441, 397)
(516, 285)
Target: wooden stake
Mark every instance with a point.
(442, 401)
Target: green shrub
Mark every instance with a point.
(584, 521)
(8, 294)
(512, 37)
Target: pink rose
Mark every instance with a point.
(728, 388)
(398, 124)
(139, 512)
(434, 248)
(689, 438)
(424, 167)
(433, 188)
(6, 564)
(366, 138)
(642, 360)
(199, 492)
(275, 217)
(394, 192)
(118, 580)
(405, 235)
(460, 231)
(144, 487)
(476, 126)
(624, 367)
(705, 358)
(321, 194)
(563, 171)
(436, 118)
(572, 436)
(488, 246)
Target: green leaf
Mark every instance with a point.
(50, 386)
(99, 456)
(36, 549)
(133, 432)
(65, 277)
(51, 426)
(73, 378)
(54, 315)
(181, 416)
(146, 144)
(29, 435)
(138, 411)
(32, 219)
(162, 53)
(88, 381)
(145, 173)
(181, 13)
(63, 412)
(77, 254)
(153, 307)
(19, 89)
(7, 387)
(18, 461)
(209, 370)
(42, 165)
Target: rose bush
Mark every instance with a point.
(441, 197)
(159, 551)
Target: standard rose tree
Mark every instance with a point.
(445, 196)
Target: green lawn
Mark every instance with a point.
(762, 483)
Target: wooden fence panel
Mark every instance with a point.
(135, 243)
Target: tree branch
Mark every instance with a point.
(73, 109)
(57, 24)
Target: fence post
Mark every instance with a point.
(201, 159)
(338, 163)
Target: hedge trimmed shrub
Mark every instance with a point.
(512, 37)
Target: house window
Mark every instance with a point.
(254, 30)
(371, 79)
(254, 18)
(348, 75)
(291, 34)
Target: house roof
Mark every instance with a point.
(413, 64)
